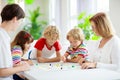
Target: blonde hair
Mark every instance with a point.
(50, 32)
(102, 24)
(76, 33)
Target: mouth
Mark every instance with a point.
(73, 46)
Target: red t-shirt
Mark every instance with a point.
(42, 41)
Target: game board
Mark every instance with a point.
(56, 66)
(53, 71)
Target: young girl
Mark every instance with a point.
(48, 45)
(19, 47)
(76, 50)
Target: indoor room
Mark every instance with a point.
(59, 39)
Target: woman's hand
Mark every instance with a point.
(88, 65)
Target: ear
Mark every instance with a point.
(14, 19)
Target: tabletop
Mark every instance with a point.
(68, 71)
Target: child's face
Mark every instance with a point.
(74, 43)
(51, 41)
(27, 46)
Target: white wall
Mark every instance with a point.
(115, 14)
(2, 4)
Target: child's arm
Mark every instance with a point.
(64, 57)
(55, 59)
(83, 60)
(75, 60)
(29, 62)
(41, 59)
(39, 52)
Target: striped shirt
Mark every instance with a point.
(81, 50)
(16, 54)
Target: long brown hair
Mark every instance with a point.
(102, 24)
(21, 38)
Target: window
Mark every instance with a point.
(64, 13)
(103, 5)
(73, 12)
(52, 12)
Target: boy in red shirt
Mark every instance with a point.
(48, 45)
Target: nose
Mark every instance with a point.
(72, 44)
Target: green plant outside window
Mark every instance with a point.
(36, 26)
(84, 24)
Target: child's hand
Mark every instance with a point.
(41, 60)
(24, 66)
(81, 61)
(63, 58)
(29, 62)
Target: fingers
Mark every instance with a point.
(81, 61)
(84, 66)
(63, 58)
(39, 59)
(24, 66)
(30, 62)
(88, 65)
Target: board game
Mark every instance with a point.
(56, 66)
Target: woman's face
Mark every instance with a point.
(74, 43)
(94, 28)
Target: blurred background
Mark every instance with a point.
(65, 14)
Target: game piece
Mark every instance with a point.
(57, 65)
(36, 64)
(73, 66)
(61, 68)
(50, 64)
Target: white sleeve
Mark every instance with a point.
(115, 57)
(5, 54)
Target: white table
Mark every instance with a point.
(41, 72)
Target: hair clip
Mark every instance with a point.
(26, 35)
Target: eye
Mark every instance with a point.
(70, 42)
